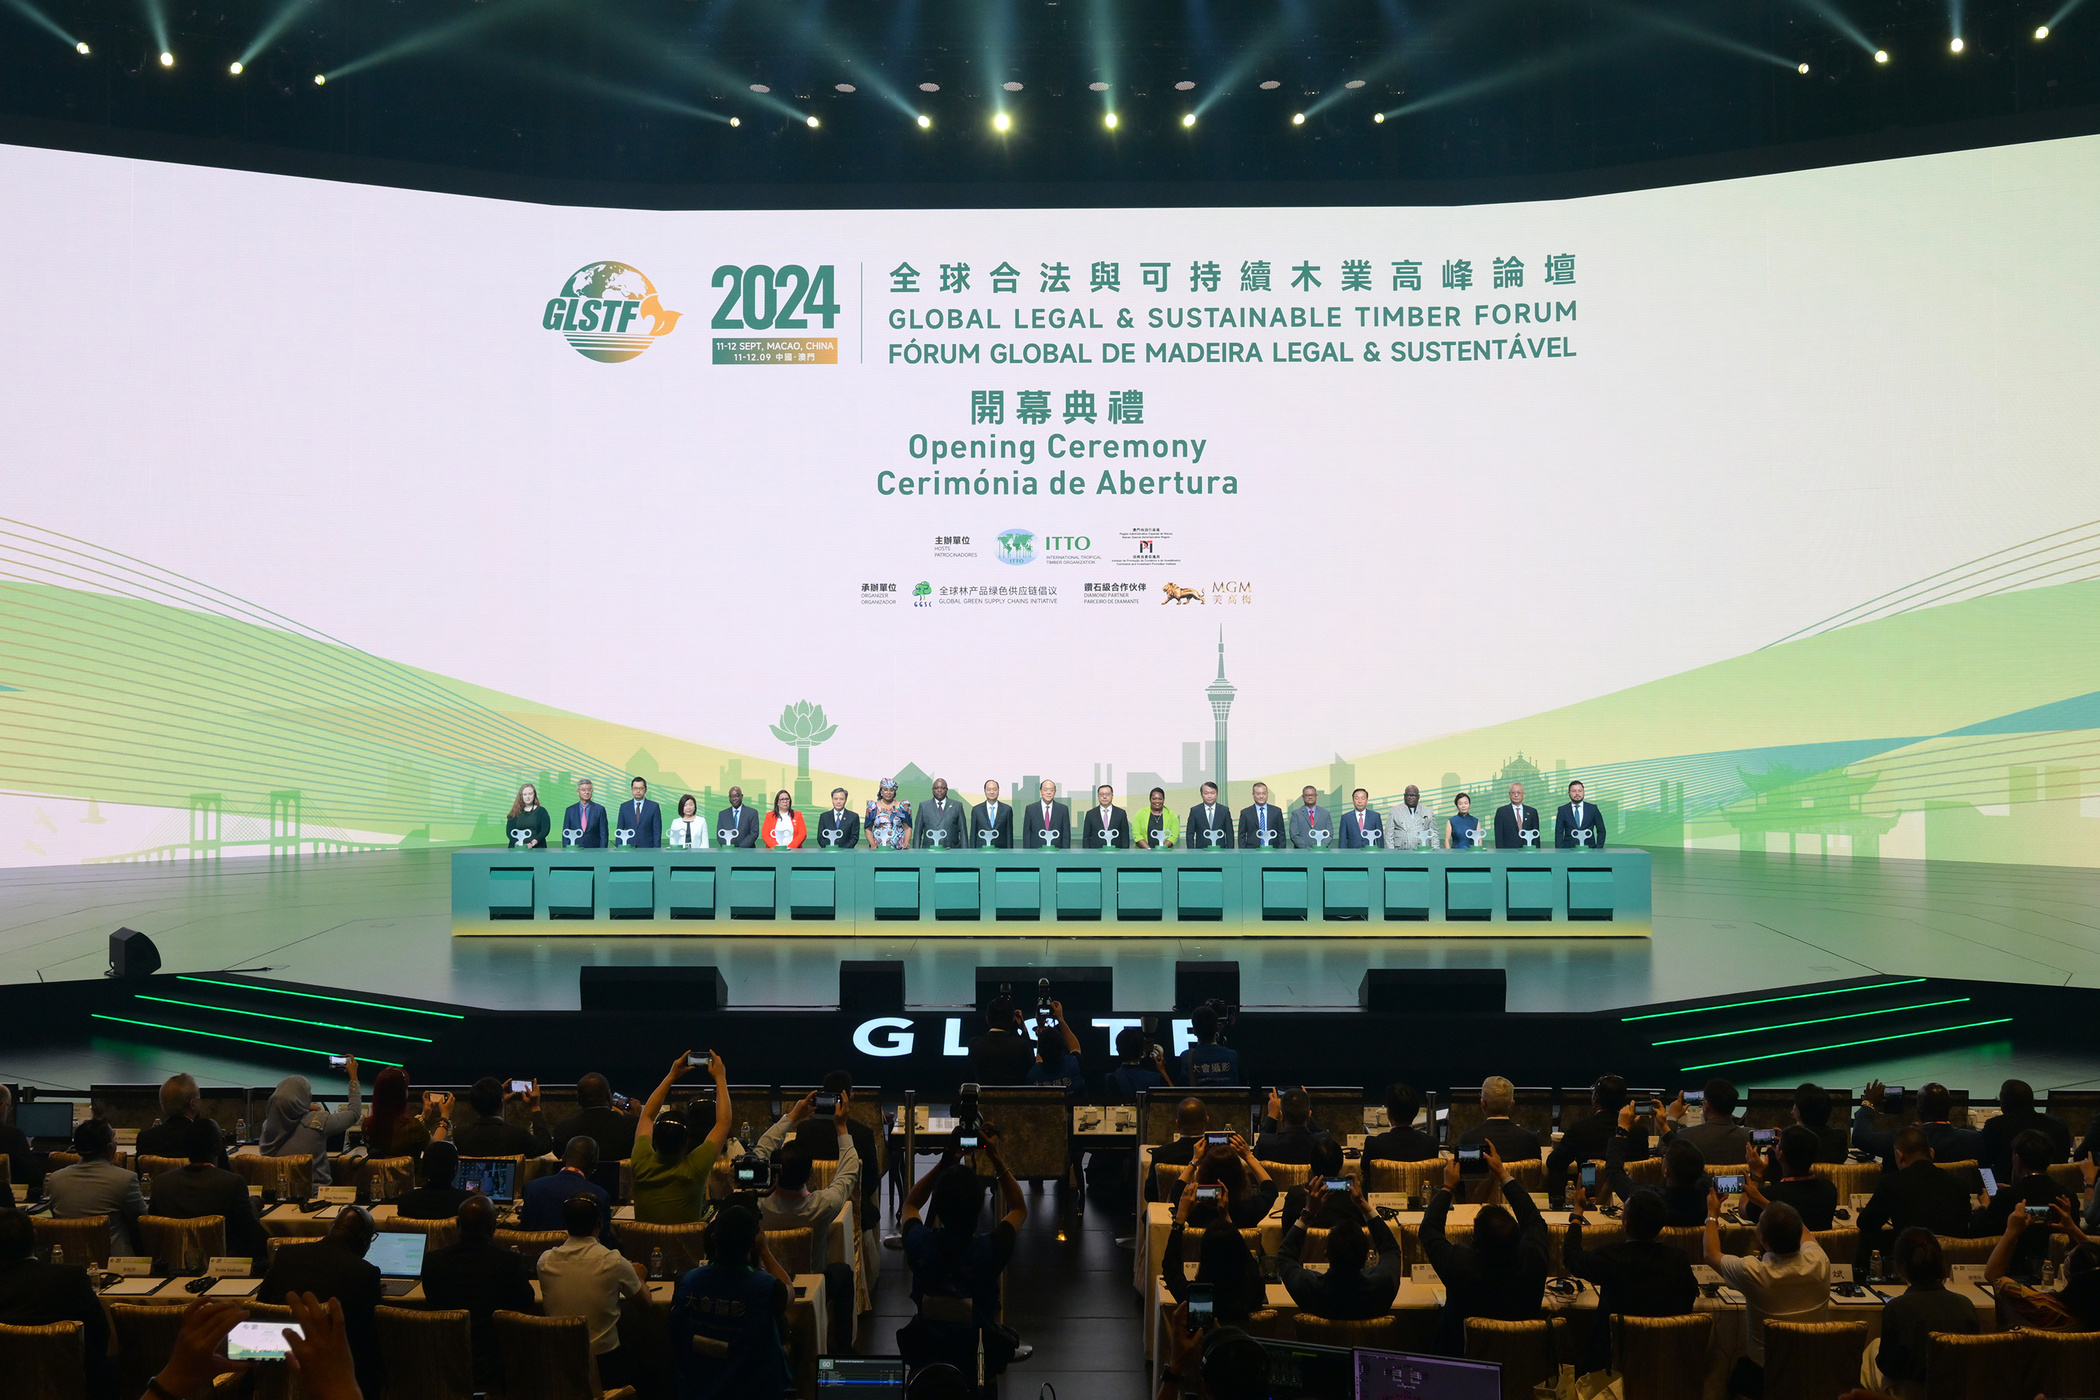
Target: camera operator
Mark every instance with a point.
(954, 1270)
(1143, 1066)
(1057, 1053)
(1210, 1060)
(1002, 1055)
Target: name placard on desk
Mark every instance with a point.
(130, 1265)
(228, 1266)
(337, 1195)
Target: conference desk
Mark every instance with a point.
(1124, 894)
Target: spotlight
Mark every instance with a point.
(1955, 45)
(736, 121)
(1379, 117)
(82, 48)
(1188, 118)
(2041, 32)
(167, 60)
(320, 80)
(924, 121)
(1109, 121)
(1881, 55)
(810, 122)
(234, 68)
(1297, 119)
(1002, 122)
(1802, 69)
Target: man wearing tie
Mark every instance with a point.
(845, 824)
(1514, 819)
(642, 817)
(1261, 825)
(1361, 827)
(992, 816)
(585, 816)
(1047, 822)
(1107, 826)
(1577, 815)
(1415, 827)
(1309, 818)
(941, 821)
(737, 825)
(1207, 817)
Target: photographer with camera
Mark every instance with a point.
(955, 1270)
(1056, 1050)
(791, 1205)
(1002, 1055)
(1210, 1060)
(1143, 1066)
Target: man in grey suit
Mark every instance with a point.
(942, 821)
(96, 1185)
(1310, 818)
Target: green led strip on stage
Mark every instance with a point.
(1815, 1021)
(237, 1039)
(317, 996)
(1845, 1045)
(1767, 1001)
(267, 1016)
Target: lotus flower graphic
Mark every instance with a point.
(804, 726)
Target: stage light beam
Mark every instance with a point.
(924, 121)
(1955, 45)
(1881, 55)
(167, 60)
(44, 21)
(1188, 118)
(438, 35)
(234, 68)
(274, 26)
(1297, 119)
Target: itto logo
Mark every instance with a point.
(600, 307)
(1016, 546)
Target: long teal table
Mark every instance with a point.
(1120, 893)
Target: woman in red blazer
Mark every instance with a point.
(784, 827)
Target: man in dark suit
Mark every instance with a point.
(182, 1120)
(483, 1277)
(1046, 821)
(1191, 1122)
(204, 1188)
(1812, 1111)
(1361, 827)
(1207, 816)
(642, 817)
(1918, 1192)
(1589, 1138)
(585, 816)
(335, 1267)
(597, 1119)
(736, 824)
(1576, 815)
(541, 1202)
(1106, 826)
(1312, 826)
(1287, 1132)
(837, 819)
(1934, 1120)
(36, 1295)
(1261, 822)
(941, 822)
(2016, 1114)
(486, 1134)
(994, 816)
(1639, 1275)
(1514, 1141)
(1513, 819)
(1402, 1141)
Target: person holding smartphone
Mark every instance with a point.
(2031, 1190)
(1501, 1273)
(295, 1126)
(488, 1134)
(1815, 1197)
(1224, 1264)
(670, 1168)
(1351, 1288)
(2072, 1307)
(954, 1270)
(1248, 1191)
(1340, 1204)
(1639, 1274)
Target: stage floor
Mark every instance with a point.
(1723, 922)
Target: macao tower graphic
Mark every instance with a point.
(1220, 693)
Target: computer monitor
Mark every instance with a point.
(397, 1253)
(46, 1118)
(1396, 1375)
(497, 1180)
(1302, 1371)
(873, 1376)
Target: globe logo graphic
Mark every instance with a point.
(609, 312)
(1016, 546)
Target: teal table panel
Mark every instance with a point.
(955, 894)
(1078, 894)
(631, 894)
(1140, 895)
(1345, 894)
(1411, 893)
(1590, 894)
(570, 894)
(813, 893)
(1200, 894)
(510, 894)
(897, 894)
(1469, 894)
(1018, 894)
(1283, 894)
(692, 893)
(1531, 894)
(751, 892)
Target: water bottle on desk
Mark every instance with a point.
(743, 1134)
(656, 1263)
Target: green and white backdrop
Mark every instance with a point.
(1767, 506)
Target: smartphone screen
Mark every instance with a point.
(702, 1060)
(1470, 1162)
(1990, 1180)
(1892, 1098)
(1589, 1176)
(1217, 1139)
(827, 1105)
(338, 1061)
(2038, 1212)
(1206, 1193)
(259, 1341)
(1338, 1183)
(1764, 1137)
(521, 1086)
(1694, 1097)
(1200, 1308)
(1730, 1185)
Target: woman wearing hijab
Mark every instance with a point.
(296, 1126)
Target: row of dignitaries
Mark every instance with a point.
(946, 823)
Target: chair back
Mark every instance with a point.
(1979, 1366)
(1966, 1251)
(290, 1177)
(531, 1243)
(1269, 1323)
(1287, 1174)
(54, 1160)
(1656, 1354)
(1528, 1172)
(1842, 1246)
(1966, 1172)
(1597, 1232)
(81, 1240)
(437, 1234)
(1378, 1333)
(545, 1358)
(684, 1246)
(145, 1336)
(2074, 1107)
(792, 1249)
(2062, 1363)
(429, 1355)
(150, 1167)
(1034, 1127)
(1405, 1178)
(1338, 1110)
(178, 1241)
(384, 1178)
(1527, 1352)
(1646, 1171)
(1227, 1105)
(2068, 1178)
(1813, 1360)
(47, 1362)
(1850, 1178)
(823, 1169)
(1689, 1238)
(278, 1242)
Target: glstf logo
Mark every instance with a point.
(600, 307)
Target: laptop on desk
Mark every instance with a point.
(1393, 1375)
(875, 1377)
(398, 1255)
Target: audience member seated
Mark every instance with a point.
(487, 1134)
(582, 1278)
(1639, 1274)
(1191, 1123)
(1789, 1176)
(182, 1124)
(1248, 1194)
(955, 1271)
(35, 1294)
(295, 1126)
(596, 1118)
(1209, 1060)
(1057, 1058)
(1502, 1273)
(392, 1128)
(1223, 1262)
(204, 1188)
(1002, 1055)
(482, 1277)
(1348, 1290)
(791, 1205)
(670, 1169)
(2072, 1307)
(1402, 1141)
(26, 1162)
(540, 1205)
(1719, 1137)
(1812, 1111)
(1787, 1281)
(439, 1197)
(1513, 1142)
(1945, 1142)
(96, 1185)
(334, 1267)
(1685, 1187)
(729, 1317)
(2029, 1184)
(1588, 1140)
(1917, 1193)
(1895, 1362)
(1140, 1065)
(2017, 1114)
(1288, 1133)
